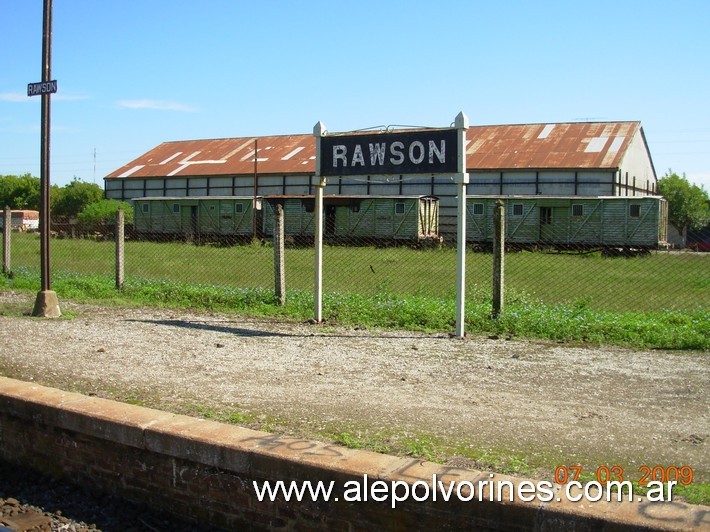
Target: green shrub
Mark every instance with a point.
(104, 212)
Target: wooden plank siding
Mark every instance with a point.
(205, 216)
(584, 221)
(508, 182)
(395, 218)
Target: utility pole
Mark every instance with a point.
(46, 304)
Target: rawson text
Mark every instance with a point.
(426, 151)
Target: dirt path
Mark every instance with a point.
(546, 403)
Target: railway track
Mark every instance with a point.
(33, 502)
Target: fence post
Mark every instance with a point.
(7, 227)
(279, 270)
(498, 258)
(119, 248)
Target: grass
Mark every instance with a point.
(524, 315)
(650, 283)
(656, 301)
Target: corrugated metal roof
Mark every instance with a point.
(274, 155)
(546, 146)
(568, 145)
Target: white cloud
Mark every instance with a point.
(157, 105)
(700, 179)
(22, 97)
(13, 97)
(68, 97)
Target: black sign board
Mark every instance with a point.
(403, 152)
(43, 87)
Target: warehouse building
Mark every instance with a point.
(562, 159)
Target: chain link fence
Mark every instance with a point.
(577, 253)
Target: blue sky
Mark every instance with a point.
(132, 74)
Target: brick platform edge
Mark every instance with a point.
(204, 471)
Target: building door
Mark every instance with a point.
(329, 220)
(193, 219)
(546, 226)
(189, 221)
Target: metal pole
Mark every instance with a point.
(44, 148)
(461, 124)
(46, 304)
(498, 258)
(7, 227)
(256, 187)
(318, 131)
(279, 251)
(120, 248)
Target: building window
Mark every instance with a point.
(635, 211)
(239, 208)
(578, 209)
(477, 209)
(355, 207)
(176, 208)
(399, 207)
(145, 208)
(517, 209)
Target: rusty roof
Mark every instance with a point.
(286, 154)
(590, 145)
(553, 146)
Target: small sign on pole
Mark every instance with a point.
(42, 87)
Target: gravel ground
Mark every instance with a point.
(545, 402)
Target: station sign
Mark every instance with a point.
(424, 151)
(43, 87)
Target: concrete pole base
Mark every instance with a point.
(46, 305)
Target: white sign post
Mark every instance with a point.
(461, 124)
(318, 132)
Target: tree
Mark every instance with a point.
(687, 203)
(19, 192)
(71, 199)
(104, 213)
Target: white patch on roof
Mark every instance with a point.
(186, 163)
(166, 161)
(474, 146)
(546, 131)
(178, 169)
(232, 152)
(596, 144)
(249, 155)
(292, 153)
(132, 170)
(616, 144)
(190, 157)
